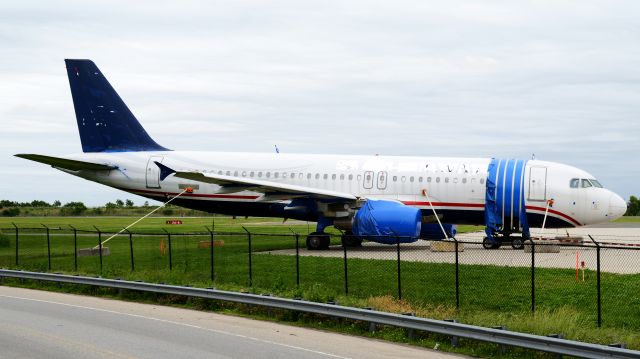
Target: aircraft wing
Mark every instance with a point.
(232, 184)
(67, 164)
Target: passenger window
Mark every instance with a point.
(586, 183)
(429, 179)
(268, 174)
(342, 176)
(574, 183)
(359, 178)
(481, 180)
(420, 179)
(275, 175)
(455, 179)
(350, 177)
(260, 174)
(219, 172)
(244, 173)
(284, 175)
(228, 173)
(325, 176)
(446, 180)
(403, 179)
(308, 175)
(317, 176)
(251, 174)
(437, 179)
(464, 180)
(411, 179)
(395, 178)
(333, 176)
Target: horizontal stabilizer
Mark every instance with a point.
(67, 164)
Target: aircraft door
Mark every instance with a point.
(368, 180)
(382, 180)
(537, 183)
(153, 172)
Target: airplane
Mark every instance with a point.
(385, 199)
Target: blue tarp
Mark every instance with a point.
(504, 200)
(385, 221)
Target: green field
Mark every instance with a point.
(489, 295)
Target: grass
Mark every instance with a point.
(489, 295)
(627, 219)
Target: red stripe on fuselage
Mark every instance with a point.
(408, 203)
(536, 208)
(444, 204)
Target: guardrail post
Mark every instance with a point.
(399, 273)
(99, 247)
(533, 276)
(250, 262)
(169, 240)
(457, 274)
(48, 246)
(211, 253)
(17, 235)
(346, 270)
(598, 280)
(131, 249)
(75, 248)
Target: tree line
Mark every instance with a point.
(13, 208)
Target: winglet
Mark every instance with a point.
(164, 170)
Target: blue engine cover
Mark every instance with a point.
(433, 231)
(386, 221)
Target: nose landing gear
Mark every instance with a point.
(496, 242)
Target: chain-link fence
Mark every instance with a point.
(602, 279)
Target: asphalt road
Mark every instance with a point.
(39, 324)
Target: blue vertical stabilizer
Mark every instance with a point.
(104, 121)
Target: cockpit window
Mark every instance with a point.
(586, 183)
(595, 183)
(574, 183)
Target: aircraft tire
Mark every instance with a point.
(488, 244)
(517, 243)
(317, 241)
(349, 240)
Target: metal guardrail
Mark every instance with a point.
(498, 336)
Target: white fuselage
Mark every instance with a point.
(454, 186)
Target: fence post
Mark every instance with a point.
(457, 274)
(99, 247)
(346, 269)
(211, 254)
(48, 246)
(169, 240)
(16, 227)
(533, 276)
(399, 276)
(598, 280)
(250, 264)
(131, 249)
(297, 257)
(75, 248)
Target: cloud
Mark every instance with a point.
(409, 78)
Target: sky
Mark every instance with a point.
(558, 79)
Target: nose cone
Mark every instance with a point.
(617, 207)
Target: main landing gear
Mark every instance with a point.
(495, 243)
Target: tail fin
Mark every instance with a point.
(104, 121)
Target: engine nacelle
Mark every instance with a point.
(387, 221)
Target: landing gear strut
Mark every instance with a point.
(318, 240)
